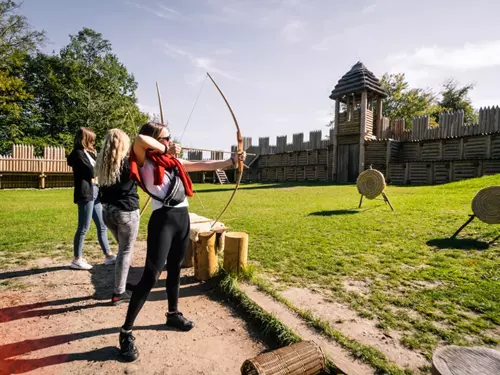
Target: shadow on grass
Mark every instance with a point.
(458, 243)
(269, 185)
(334, 213)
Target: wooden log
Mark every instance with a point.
(205, 256)
(220, 241)
(456, 360)
(236, 252)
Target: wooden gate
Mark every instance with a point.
(347, 162)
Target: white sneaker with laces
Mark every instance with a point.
(109, 261)
(80, 264)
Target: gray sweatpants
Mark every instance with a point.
(124, 225)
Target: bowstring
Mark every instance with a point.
(182, 135)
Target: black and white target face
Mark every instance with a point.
(486, 205)
(370, 183)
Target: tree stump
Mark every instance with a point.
(235, 251)
(456, 360)
(205, 256)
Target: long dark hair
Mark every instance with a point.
(152, 129)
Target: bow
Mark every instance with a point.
(239, 138)
(161, 119)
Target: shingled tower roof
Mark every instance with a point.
(357, 80)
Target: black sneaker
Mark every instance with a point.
(128, 350)
(177, 320)
(117, 299)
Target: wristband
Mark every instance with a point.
(166, 150)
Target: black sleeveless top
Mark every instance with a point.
(123, 194)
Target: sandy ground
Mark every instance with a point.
(54, 320)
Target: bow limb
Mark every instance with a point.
(161, 119)
(239, 138)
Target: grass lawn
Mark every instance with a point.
(432, 290)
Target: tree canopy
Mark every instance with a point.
(405, 103)
(45, 98)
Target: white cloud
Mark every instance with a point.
(294, 31)
(332, 39)
(369, 9)
(170, 10)
(170, 15)
(204, 63)
(470, 56)
(174, 51)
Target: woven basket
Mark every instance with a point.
(486, 205)
(302, 358)
(370, 183)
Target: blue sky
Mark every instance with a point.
(277, 60)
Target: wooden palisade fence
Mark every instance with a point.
(22, 169)
(420, 154)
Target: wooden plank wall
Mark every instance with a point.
(440, 161)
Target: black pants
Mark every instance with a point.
(168, 238)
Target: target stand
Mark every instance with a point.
(486, 207)
(371, 184)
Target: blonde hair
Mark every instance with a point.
(110, 159)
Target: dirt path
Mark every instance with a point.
(60, 321)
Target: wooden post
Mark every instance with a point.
(362, 131)
(205, 256)
(236, 252)
(387, 158)
(41, 184)
(488, 147)
(334, 139)
(220, 242)
(461, 149)
(379, 118)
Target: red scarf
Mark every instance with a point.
(160, 162)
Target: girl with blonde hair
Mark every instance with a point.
(121, 205)
(86, 196)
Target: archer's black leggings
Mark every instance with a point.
(168, 238)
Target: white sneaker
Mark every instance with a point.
(109, 261)
(80, 264)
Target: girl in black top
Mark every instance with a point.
(86, 196)
(121, 205)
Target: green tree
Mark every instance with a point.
(17, 42)
(84, 85)
(455, 98)
(404, 102)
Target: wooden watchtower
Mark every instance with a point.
(360, 95)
